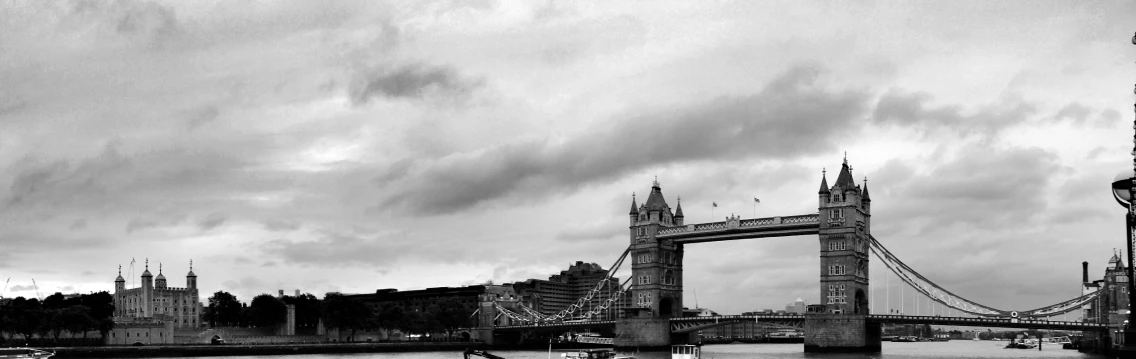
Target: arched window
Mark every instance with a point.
(669, 277)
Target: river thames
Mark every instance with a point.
(952, 349)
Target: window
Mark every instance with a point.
(837, 269)
(669, 277)
(644, 279)
(836, 245)
(645, 257)
(836, 294)
(836, 197)
(644, 299)
(641, 231)
(837, 213)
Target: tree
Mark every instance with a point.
(390, 318)
(25, 316)
(54, 301)
(450, 315)
(307, 309)
(53, 322)
(267, 311)
(224, 310)
(413, 323)
(345, 313)
(77, 319)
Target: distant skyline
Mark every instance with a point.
(351, 146)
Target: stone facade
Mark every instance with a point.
(656, 266)
(145, 331)
(643, 332)
(155, 300)
(845, 222)
(840, 333)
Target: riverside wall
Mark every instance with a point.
(247, 350)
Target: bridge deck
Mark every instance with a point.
(737, 228)
(694, 323)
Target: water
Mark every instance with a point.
(928, 350)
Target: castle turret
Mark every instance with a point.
(160, 281)
(191, 279)
(844, 234)
(147, 292)
(119, 283)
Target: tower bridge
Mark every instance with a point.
(658, 235)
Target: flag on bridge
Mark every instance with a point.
(715, 204)
(755, 200)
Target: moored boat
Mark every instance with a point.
(24, 353)
(686, 351)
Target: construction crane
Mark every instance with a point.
(5, 287)
(38, 296)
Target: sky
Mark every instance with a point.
(352, 146)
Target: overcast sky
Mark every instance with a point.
(343, 146)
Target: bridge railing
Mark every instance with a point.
(983, 320)
(745, 223)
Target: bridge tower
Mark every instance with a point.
(839, 323)
(656, 274)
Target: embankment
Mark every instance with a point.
(239, 350)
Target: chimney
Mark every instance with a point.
(1085, 272)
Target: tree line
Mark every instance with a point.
(49, 318)
(337, 311)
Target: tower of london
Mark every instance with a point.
(155, 300)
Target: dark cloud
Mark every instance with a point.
(21, 288)
(212, 221)
(1075, 112)
(915, 110)
(280, 225)
(78, 224)
(793, 116)
(412, 81)
(593, 231)
(348, 248)
(981, 187)
(202, 116)
(242, 260)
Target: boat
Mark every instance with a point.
(588, 354)
(24, 353)
(1056, 341)
(904, 339)
(1024, 344)
(685, 351)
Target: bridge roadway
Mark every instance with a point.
(689, 324)
(737, 228)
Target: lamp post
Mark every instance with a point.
(1123, 190)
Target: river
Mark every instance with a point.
(928, 350)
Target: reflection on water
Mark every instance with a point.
(928, 350)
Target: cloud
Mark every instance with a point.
(596, 230)
(343, 248)
(412, 81)
(915, 110)
(793, 116)
(21, 288)
(279, 225)
(982, 187)
(212, 221)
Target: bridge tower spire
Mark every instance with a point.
(845, 212)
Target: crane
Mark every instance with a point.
(38, 296)
(5, 287)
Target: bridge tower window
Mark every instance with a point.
(836, 246)
(668, 277)
(644, 279)
(836, 213)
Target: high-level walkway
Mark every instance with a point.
(690, 324)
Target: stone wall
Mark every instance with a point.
(840, 333)
(643, 332)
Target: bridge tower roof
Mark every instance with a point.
(865, 196)
(655, 201)
(823, 183)
(634, 208)
(844, 180)
(678, 211)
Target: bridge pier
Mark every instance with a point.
(842, 333)
(646, 334)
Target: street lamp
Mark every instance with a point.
(1124, 191)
